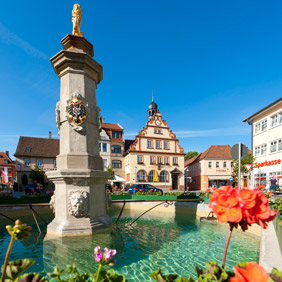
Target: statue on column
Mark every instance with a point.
(76, 20)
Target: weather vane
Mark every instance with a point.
(76, 20)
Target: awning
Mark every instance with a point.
(219, 177)
(118, 179)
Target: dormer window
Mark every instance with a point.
(28, 149)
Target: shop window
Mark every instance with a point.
(141, 175)
(151, 175)
(164, 176)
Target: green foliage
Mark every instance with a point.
(6, 197)
(275, 276)
(110, 276)
(37, 175)
(249, 159)
(149, 193)
(277, 205)
(16, 268)
(112, 173)
(158, 276)
(32, 277)
(190, 155)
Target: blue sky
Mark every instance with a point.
(211, 64)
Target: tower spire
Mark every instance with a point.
(152, 95)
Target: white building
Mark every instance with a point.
(267, 144)
(105, 148)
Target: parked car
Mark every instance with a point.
(143, 188)
(5, 190)
(31, 189)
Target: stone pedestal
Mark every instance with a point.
(80, 197)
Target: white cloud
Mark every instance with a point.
(11, 38)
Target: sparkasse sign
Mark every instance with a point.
(267, 163)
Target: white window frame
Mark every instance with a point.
(224, 164)
(273, 144)
(264, 125)
(257, 151)
(217, 165)
(257, 128)
(39, 163)
(274, 120)
(263, 150)
(26, 162)
(279, 145)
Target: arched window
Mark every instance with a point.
(164, 176)
(116, 149)
(116, 164)
(151, 175)
(141, 175)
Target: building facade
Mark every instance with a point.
(32, 151)
(267, 144)
(212, 168)
(105, 148)
(7, 166)
(115, 134)
(155, 151)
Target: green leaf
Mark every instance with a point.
(158, 276)
(16, 268)
(114, 277)
(276, 275)
(32, 277)
(184, 279)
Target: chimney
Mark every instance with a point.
(7, 153)
(104, 120)
(50, 135)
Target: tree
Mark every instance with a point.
(190, 155)
(112, 175)
(37, 175)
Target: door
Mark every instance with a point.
(174, 181)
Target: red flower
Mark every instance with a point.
(244, 206)
(208, 190)
(135, 189)
(119, 189)
(213, 188)
(251, 273)
(141, 190)
(151, 190)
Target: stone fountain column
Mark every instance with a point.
(80, 197)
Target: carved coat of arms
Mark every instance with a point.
(77, 112)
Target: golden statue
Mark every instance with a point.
(76, 20)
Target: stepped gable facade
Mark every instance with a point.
(155, 156)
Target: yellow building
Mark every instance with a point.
(155, 156)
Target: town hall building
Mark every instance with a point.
(155, 156)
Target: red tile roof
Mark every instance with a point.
(40, 147)
(3, 157)
(112, 126)
(218, 152)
